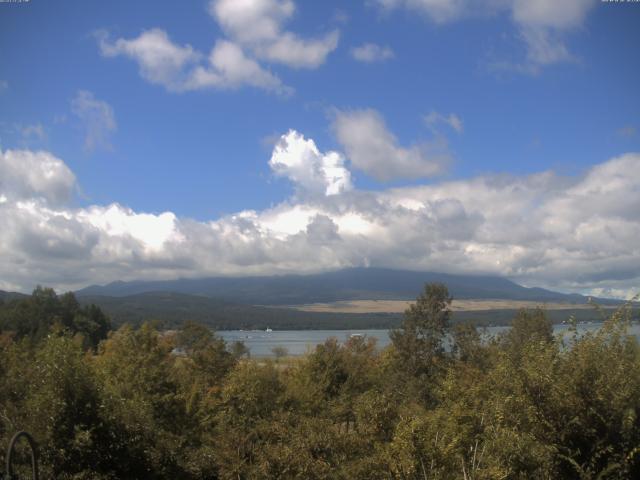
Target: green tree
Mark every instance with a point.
(467, 345)
(418, 345)
(529, 326)
(251, 396)
(141, 396)
(201, 372)
(279, 352)
(239, 349)
(51, 392)
(33, 317)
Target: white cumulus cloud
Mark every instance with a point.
(259, 26)
(370, 53)
(551, 13)
(439, 11)
(229, 67)
(254, 32)
(160, 60)
(181, 68)
(433, 119)
(97, 118)
(372, 148)
(25, 174)
(310, 170)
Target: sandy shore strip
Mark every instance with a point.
(399, 306)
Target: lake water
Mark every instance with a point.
(299, 342)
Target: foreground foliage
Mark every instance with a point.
(439, 403)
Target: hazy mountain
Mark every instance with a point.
(231, 303)
(10, 295)
(348, 284)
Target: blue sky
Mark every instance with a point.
(175, 108)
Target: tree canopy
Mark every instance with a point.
(440, 402)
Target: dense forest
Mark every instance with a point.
(138, 402)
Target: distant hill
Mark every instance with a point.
(10, 295)
(347, 284)
(259, 302)
(172, 309)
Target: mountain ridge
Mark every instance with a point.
(345, 284)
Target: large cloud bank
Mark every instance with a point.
(574, 233)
